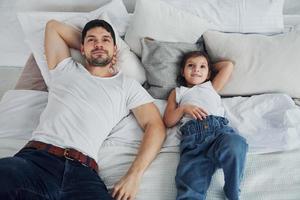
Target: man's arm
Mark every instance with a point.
(150, 120)
(59, 37)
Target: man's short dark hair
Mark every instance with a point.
(98, 23)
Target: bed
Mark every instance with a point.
(265, 111)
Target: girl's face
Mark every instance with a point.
(196, 71)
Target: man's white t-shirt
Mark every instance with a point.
(202, 95)
(82, 109)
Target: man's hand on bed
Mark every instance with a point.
(127, 187)
(148, 117)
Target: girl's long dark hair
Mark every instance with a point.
(180, 79)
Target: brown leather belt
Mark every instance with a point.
(70, 154)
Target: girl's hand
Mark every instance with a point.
(195, 111)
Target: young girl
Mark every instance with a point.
(207, 141)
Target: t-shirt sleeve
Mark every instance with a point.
(177, 94)
(180, 91)
(67, 64)
(137, 95)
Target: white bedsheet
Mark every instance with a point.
(267, 176)
(269, 122)
(274, 176)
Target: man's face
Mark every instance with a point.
(98, 47)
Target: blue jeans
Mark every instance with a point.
(205, 146)
(34, 174)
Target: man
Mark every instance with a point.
(84, 104)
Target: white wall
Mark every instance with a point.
(13, 49)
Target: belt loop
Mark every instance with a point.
(48, 146)
(88, 160)
(66, 154)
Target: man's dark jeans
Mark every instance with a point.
(34, 174)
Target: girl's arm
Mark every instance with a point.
(173, 112)
(224, 70)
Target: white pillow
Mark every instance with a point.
(163, 22)
(245, 16)
(263, 64)
(127, 61)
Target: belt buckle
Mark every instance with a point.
(66, 154)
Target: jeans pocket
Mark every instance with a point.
(187, 143)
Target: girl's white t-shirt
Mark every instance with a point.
(82, 109)
(202, 95)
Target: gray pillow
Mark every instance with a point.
(161, 62)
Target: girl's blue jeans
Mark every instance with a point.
(34, 174)
(205, 146)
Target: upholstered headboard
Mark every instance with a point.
(291, 7)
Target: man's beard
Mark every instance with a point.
(98, 62)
